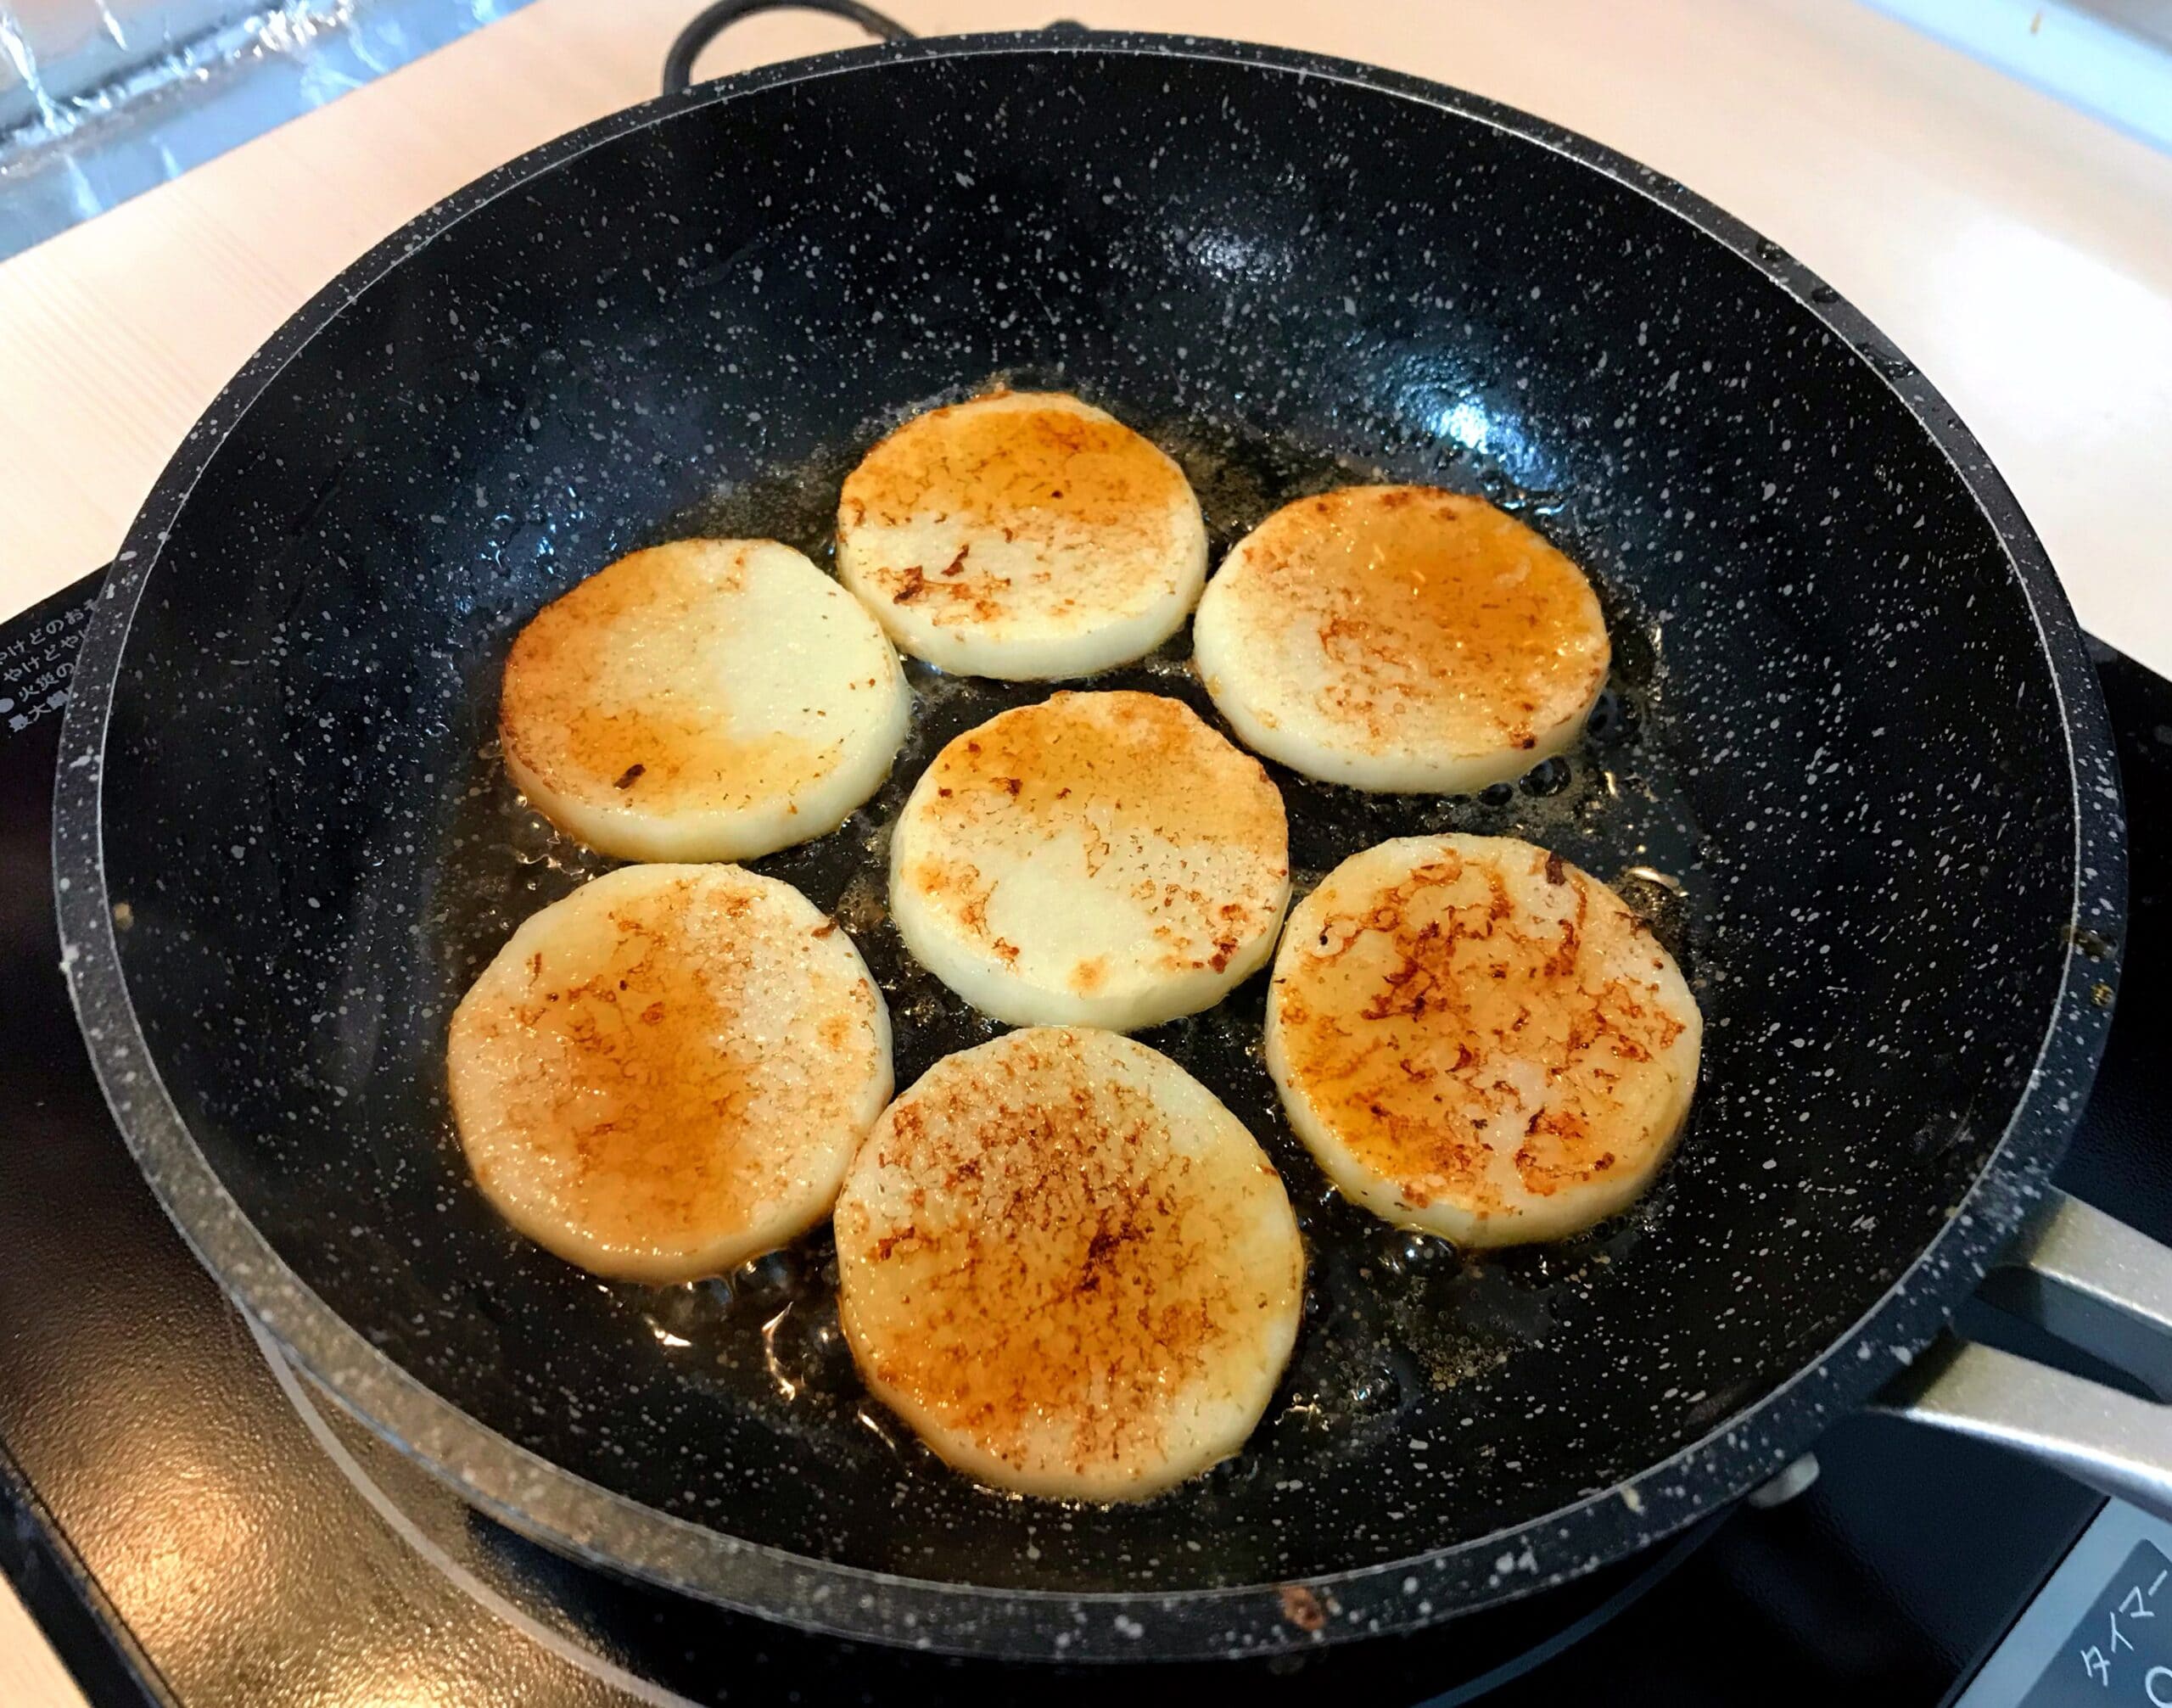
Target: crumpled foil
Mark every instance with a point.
(101, 99)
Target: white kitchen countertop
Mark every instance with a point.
(2020, 252)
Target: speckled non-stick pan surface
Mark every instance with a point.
(1850, 760)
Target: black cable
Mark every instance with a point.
(714, 20)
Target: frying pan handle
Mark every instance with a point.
(712, 21)
(2099, 1286)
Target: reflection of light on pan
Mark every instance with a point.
(1498, 435)
(786, 1383)
(1465, 423)
(374, 1689)
(874, 1427)
(1232, 255)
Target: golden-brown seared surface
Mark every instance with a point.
(1023, 534)
(667, 1072)
(707, 699)
(1477, 1038)
(1068, 1267)
(1103, 858)
(1402, 637)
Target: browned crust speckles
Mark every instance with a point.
(565, 716)
(1439, 622)
(1037, 470)
(1113, 774)
(1043, 1273)
(1481, 1024)
(1019, 519)
(609, 1092)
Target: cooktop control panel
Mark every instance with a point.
(2099, 1634)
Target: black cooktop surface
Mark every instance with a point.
(191, 1527)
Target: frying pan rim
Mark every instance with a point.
(547, 1502)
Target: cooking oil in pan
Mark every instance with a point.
(1390, 1315)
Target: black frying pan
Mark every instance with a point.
(1852, 759)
